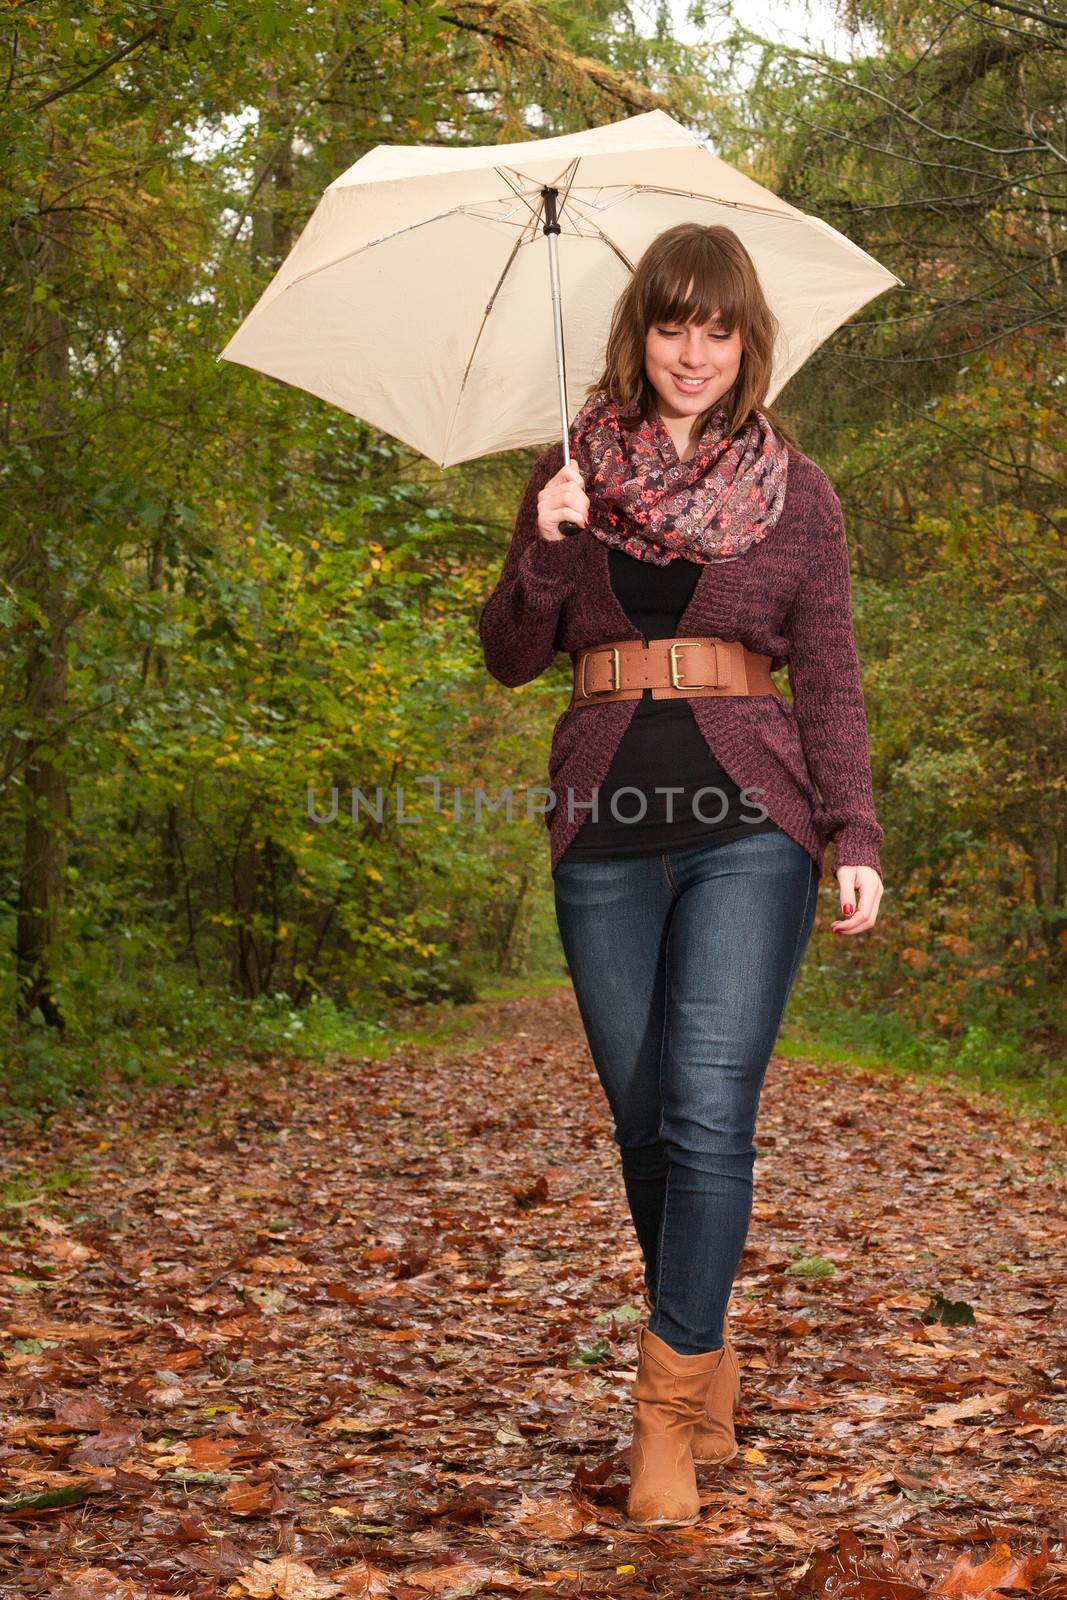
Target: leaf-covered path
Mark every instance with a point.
(368, 1331)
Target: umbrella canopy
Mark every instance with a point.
(417, 296)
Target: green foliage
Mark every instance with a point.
(811, 1267)
(623, 1314)
(219, 594)
(162, 1029)
(590, 1355)
(953, 1313)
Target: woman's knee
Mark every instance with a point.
(643, 1157)
(716, 1149)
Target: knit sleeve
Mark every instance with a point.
(824, 676)
(517, 625)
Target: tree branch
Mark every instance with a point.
(1025, 11)
(79, 83)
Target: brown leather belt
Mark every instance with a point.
(673, 669)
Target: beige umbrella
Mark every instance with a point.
(415, 295)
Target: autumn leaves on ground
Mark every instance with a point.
(367, 1330)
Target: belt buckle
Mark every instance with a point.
(616, 674)
(673, 667)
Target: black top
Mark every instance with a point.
(662, 746)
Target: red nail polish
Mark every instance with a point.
(848, 911)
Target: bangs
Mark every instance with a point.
(717, 288)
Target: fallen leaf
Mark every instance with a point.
(1000, 1569)
(83, 1412)
(555, 1517)
(945, 1416)
(249, 1499)
(283, 1579)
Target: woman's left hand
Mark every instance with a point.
(860, 889)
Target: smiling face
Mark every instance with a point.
(702, 351)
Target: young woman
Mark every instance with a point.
(691, 801)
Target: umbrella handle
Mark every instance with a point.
(570, 527)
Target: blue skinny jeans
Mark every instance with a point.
(682, 962)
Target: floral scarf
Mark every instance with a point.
(644, 500)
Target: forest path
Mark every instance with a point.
(306, 1330)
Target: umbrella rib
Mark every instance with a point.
(424, 222)
(701, 194)
(535, 211)
(608, 240)
(792, 215)
(516, 247)
(570, 185)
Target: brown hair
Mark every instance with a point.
(724, 279)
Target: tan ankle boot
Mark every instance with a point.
(669, 1398)
(713, 1436)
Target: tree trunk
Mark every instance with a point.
(45, 801)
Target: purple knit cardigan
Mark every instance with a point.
(788, 596)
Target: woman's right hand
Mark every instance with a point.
(563, 499)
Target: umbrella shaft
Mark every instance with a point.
(551, 229)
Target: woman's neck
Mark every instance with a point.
(680, 429)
